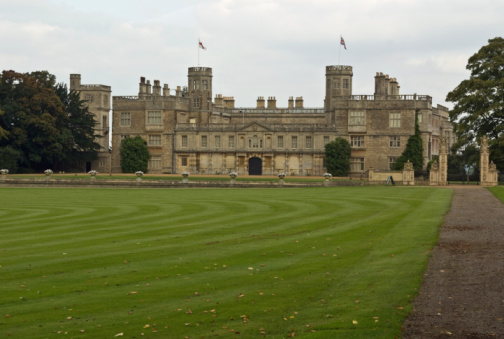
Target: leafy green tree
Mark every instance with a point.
(134, 155)
(9, 159)
(479, 100)
(337, 157)
(43, 123)
(32, 119)
(413, 151)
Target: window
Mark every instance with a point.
(196, 103)
(154, 118)
(280, 141)
(357, 118)
(395, 120)
(345, 83)
(294, 141)
(420, 118)
(231, 141)
(308, 142)
(255, 141)
(326, 139)
(125, 119)
(154, 140)
(336, 84)
(392, 161)
(184, 141)
(356, 164)
(217, 141)
(183, 161)
(124, 136)
(395, 142)
(204, 141)
(192, 121)
(357, 141)
(154, 162)
(204, 84)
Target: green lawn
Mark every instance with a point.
(498, 191)
(201, 263)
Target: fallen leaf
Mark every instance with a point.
(355, 322)
(119, 334)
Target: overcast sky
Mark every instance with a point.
(256, 47)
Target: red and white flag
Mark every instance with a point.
(342, 42)
(201, 45)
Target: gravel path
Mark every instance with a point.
(462, 295)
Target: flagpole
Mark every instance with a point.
(198, 50)
(339, 54)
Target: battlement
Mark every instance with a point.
(95, 87)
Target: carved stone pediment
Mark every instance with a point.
(255, 127)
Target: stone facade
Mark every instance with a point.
(98, 101)
(187, 131)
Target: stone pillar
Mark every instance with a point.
(371, 172)
(408, 174)
(443, 163)
(434, 174)
(488, 171)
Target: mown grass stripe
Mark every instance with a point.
(114, 261)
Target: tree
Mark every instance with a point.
(479, 100)
(80, 137)
(134, 155)
(337, 157)
(413, 151)
(9, 159)
(32, 119)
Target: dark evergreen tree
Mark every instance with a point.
(78, 136)
(337, 157)
(134, 155)
(413, 151)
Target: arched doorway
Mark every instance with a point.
(255, 166)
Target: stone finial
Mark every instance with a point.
(408, 166)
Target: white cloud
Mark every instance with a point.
(255, 47)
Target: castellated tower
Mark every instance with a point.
(338, 84)
(199, 88)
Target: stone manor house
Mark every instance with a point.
(195, 132)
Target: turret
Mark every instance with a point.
(200, 87)
(75, 81)
(338, 84)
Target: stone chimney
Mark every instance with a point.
(272, 102)
(219, 102)
(299, 102)
(141, 87)
(148, 87)
(229, 102)
(166, 90)
(156, 90)
(178, 92)
(291, 102)
(260, 102)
